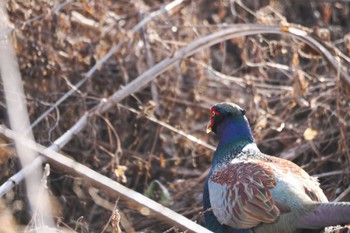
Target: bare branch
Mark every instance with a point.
(234, 31)
(166, 9)
(165, 125)
(19, 121)
(145, 205)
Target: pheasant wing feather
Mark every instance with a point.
(240, 195)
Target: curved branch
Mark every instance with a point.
(234, 31)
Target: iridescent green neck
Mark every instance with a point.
(229, 151)
(234, 135)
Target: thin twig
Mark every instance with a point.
(141, 81)
(178, 131)
(60, 142)
(145, 205)
(19, 120)
(105, 58)
(342, 195)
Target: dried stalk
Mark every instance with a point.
(166, 9)
(60, 142)
(165, 125)
(234, 31)
(19, 120)
(145, 205)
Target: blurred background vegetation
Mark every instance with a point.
(297, 104)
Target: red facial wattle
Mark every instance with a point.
(213, 113)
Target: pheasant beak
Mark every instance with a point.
(209, 126)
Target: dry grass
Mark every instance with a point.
(297, 103)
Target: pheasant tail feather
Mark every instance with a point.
(326, 214)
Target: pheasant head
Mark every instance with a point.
(229, 123)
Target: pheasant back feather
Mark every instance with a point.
(248, 191)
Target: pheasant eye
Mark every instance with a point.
(213, 113)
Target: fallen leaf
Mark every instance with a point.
(310, 134)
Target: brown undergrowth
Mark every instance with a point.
(297, 103)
